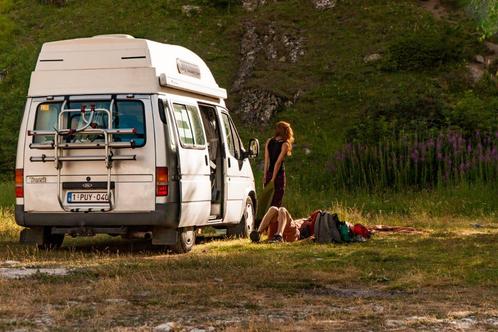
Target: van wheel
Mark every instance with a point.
(246, 225)
(184, 241)
(51, 241)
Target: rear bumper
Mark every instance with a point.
(165, 215)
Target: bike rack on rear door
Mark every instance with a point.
(89, 128)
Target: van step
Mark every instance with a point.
(44, 158)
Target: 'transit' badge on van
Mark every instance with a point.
(187, 68)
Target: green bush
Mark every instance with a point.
(471, 113)
(409, 112)
(427, 50)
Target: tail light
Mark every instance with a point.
(19, 183)
(162, 181)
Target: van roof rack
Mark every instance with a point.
(88, 128)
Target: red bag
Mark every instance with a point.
(361, 230)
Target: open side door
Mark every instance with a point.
(193, 164)
(236, 178)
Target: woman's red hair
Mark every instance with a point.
(284, 130)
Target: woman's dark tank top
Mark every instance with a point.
(274, 149)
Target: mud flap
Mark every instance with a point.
(33, 235)
(164, 236)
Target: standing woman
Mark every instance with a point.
(276, 149)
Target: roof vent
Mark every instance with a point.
(115, 36)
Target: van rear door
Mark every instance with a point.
(193, 164)
(82, 183)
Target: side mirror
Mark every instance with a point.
(253, 151)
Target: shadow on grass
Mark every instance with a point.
(103, 244)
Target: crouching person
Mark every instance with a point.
(281, 227)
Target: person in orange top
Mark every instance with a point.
(281, 227)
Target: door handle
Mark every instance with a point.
(206, 160)
(229, 164)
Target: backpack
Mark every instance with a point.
(326, 228)
(345, 231)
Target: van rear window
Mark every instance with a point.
(126, 114)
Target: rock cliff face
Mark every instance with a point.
(257, 106)
(261, 46)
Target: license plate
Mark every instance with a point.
(86, 197)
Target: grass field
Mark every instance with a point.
(443, 277)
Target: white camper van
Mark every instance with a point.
(129, 137)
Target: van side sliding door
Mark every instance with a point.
(193, 165)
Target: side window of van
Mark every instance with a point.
(233, 140)
(228, 131)
(189, 124)
(236, 141)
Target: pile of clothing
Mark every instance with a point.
(326, 227)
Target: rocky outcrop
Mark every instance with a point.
(190, 10)
(262, 46)
(374, 57)
(258, 106)
(251, 5)
(324, 4)
(250, 46)
(476, 72)
(484, 64)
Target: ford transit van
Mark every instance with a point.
(129, 137)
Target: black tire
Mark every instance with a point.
(51, 241)
(246, 224)
(184, 242)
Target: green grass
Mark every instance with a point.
(335, 82)
(447, 268)
(7, 194)
(337, 85)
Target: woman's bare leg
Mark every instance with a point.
(284, 217)
(271, 215)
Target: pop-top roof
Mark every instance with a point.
(119, 64)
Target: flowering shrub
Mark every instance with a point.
(415, 161)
